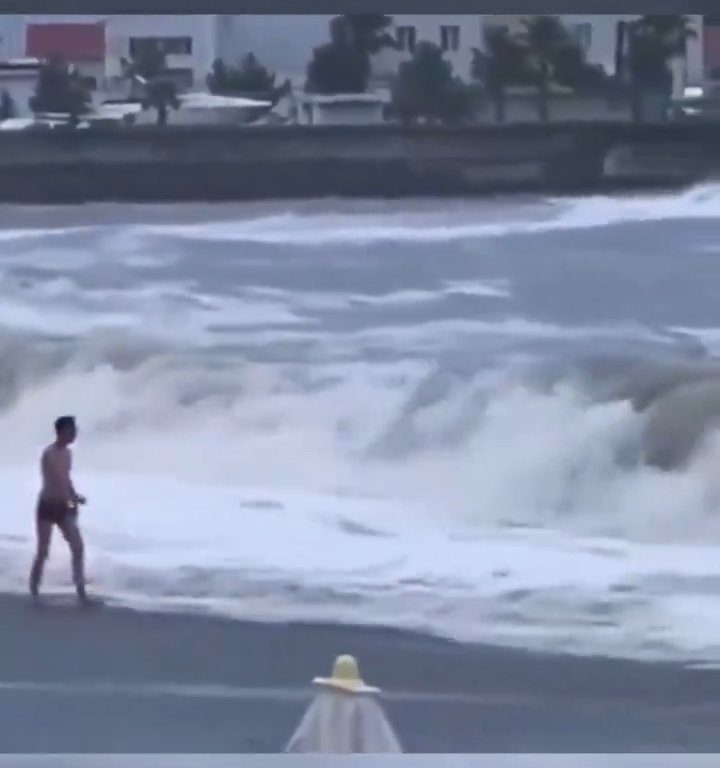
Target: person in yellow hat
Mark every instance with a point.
(345, 716)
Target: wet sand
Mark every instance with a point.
(115, 680)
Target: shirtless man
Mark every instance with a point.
(58, 505)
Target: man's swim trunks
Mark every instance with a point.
(54, 511)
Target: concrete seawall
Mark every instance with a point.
(217, 163)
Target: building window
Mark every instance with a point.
(172, 46)
(449, 38)
(582, 33)
(407, 38)
(183, 78)
(177, 46)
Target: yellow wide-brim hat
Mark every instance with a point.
(345, 677)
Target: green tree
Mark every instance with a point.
(149, 60)
(368, 32)
(7, 106)
(250, 77)
(501, 63)
(673, 29)
(337, 69)
(148, 69)
(62, 90)
(343, 64)
(426, 87)
(654, 40)
(544, 37)
(571, 69)
(161, 95)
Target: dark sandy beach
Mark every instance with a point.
(114, 680)
(376, 761)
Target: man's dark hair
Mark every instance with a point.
(63, 423)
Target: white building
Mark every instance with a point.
(284, 44)
(12, 36)
(342, 109)
(457, 35)
(18, 78)
(191, 43)
(597, 34)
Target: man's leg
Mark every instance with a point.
(44, 534)
(71, 532)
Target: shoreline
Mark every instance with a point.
(186, 186)
(120, 680)
(176, 164)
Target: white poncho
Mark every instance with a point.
(344, 723)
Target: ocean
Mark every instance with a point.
(488, 421)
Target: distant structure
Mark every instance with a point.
(80, 45)
(191, 45)
(98, 47)
(459, 35)
(711, 47)
(17, 81)
(12, 36)
(284, 43)
(342, 109)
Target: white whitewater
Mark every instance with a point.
(284, 417)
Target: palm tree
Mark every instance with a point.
(148, 70)
(60, 88)
(343, 64)
(653, 42)
(7, 106)
(161, 95)
(250, 77)
(572, 70)
(543, 37)
(674, 30)
(368, 32)
(427, 88)
(337, 68)
(498, 65)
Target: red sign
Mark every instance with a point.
(70, 42)
(711, 51)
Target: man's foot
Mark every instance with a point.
(87, 601)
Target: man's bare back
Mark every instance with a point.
(55, 466)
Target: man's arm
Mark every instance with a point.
(56, 463)
(75, 497)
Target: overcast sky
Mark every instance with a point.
(343, 6)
